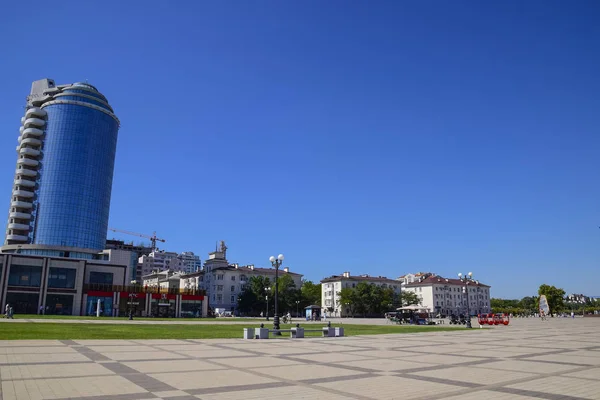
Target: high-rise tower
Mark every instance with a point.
(66, 153)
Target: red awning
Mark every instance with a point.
(192, 297)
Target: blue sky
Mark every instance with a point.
(371, 137)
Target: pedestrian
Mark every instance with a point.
(6, 310)
(41, 310)
(10, 313)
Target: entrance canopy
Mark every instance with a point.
(412, 308)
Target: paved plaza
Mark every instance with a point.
(529, 359)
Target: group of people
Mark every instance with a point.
(8, 312)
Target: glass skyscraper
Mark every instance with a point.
(63, 180)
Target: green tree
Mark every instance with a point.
(311, 293)
(555, 297)
(409, 298)
(248, 303)
(347, 298)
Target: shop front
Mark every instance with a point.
(106, 303)
(134, 302)
(191, 306)
(163, 305)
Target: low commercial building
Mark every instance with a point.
(67, 286)
(448, 296)
(331, 286)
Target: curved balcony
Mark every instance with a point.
(26, 172)
(21, 129)
(35, 111)
(28, 161)
(18, 227)
(26, 151)
(25, 183)
(19, 215)
(32, 132)
(23, 120)
(22, 193)
(29, 122)
(29, 141)
(21, 204)
(16, 238)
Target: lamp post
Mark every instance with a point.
(466, 279)
(276, 263)
(297, 309)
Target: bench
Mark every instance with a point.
(295, 333)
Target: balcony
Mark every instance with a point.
(26, 172)
(17, 238)
(35, 112)
(28, 161)
(22, 193)
(26, 151)
(19, 215)
(34, 122)
(18, 227)
(30, 142)
(25, 183)
(31, 132)
(21, 204)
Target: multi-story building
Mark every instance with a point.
(186, 262)
(63, 179)
(410, 278)
(449, 296)
(135, 253)
(224, 282)
(331, 286)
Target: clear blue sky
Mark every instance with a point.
(371, 137)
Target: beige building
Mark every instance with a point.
(448, 296)
(331, 286)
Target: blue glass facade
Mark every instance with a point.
(73, 200)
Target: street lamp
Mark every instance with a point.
(276, 263)
(466, 279)
(297, 308)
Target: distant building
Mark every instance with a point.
(411, 278)
(133, 255)
(161, 260)
(445, 296)
(577, 298)
(331, 286)
(224, 282)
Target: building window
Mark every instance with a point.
(23, 275)
(233, 299)
(219, 297)
(232, 288)
(219, 277)
(219, 288)
(233, 277)
(104, 278)
(62, 278)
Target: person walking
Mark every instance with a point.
(10, 313)
(6, 310)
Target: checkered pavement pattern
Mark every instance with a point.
(529, 359)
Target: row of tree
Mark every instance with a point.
(259, 296)
(530, 304)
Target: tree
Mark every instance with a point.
(248, 302)
(311, 293)
(555, 297)
(347, 299)
(409, 298)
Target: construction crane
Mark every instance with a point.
(152, 238)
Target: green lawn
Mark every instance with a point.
(64, 331)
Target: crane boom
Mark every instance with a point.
(152, 238)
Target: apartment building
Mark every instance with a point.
(332, 285)
(448, 296)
